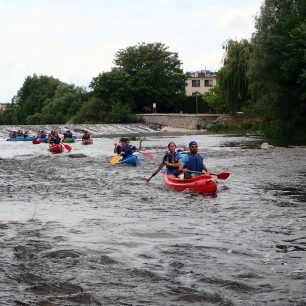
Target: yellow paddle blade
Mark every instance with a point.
(115, 159)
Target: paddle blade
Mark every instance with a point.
(223, 175)
(147, 154)
(115, 160)
(36, 141)
(67, 147)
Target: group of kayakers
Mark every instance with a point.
(125, 149)
(19, 133)
(52, 137)
(190, 163)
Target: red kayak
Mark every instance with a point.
(201, 183)
(56, 148)
(87, 142)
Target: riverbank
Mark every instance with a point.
(223, 124)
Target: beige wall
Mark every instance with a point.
(186, 121)
(202, 89)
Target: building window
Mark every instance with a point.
(195, 83)
(208, 83)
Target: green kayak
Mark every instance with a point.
(68, 140)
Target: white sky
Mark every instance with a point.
(75, 40)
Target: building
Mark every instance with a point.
(2, 107)
(200, 82)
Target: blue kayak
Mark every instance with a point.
(45, 139)
(130, 160)
(21, 138)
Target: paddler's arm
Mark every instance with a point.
(207, 171)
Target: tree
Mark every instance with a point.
(96, 110)
(44, 100)
(144, 74)
(113, 85)
(215, 100)
(278, 68)
(31, 97)
(10, 115)
(233, 79)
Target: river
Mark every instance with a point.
(78, 231)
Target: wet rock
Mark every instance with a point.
(77, 155)
(266, 146)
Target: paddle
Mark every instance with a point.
(146, 154)
(67, 147)
(220, 176)
(154, 173)
(115, 160)
(36, 141)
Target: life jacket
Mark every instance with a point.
(128, 151)
(172, 158)
(86, 137)
(67, 135)
(194, 162)
(56, 140)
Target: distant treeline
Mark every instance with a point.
(265, 77)
(143, 75)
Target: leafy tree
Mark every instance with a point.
(112, 85)
(278, 68)
(65, 103)
(145, 74)
(215, 100)
(233, 79)
(96, 110)
(44, 100)
(32, 96)
(10, 115)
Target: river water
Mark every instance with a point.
(78, 231)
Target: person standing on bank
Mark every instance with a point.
(193, 161)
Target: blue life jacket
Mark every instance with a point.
(128, 151)
(172, 158)
(194, 162)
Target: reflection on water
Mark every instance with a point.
(78, 231)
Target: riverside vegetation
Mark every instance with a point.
(263, 77)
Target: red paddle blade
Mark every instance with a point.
(35, 141)
(147, 154)
(67, 147)
(223, 175)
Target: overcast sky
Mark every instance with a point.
(75, 40)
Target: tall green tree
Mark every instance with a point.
(233, 78)
(144, 74)
(45, 100)
(112, 85)
(278, 68)
(96, 110)
(31, 97)
(10, 115)
(215, 100)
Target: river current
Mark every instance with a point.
(79, 231)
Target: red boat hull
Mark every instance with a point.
(87, 142)
(203, 184)
(56, 148)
